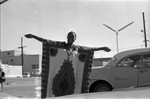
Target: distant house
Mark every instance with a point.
(100, 61)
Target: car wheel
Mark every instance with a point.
(102, 88)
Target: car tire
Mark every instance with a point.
(102, 88)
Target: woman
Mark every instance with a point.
(66, 76)
(71, 37)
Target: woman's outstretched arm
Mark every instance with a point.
(101, 48)
(95, 48)
(35, 37)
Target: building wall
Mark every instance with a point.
(11, 71)
(32, 63)
(100, 61)
(10, 53)
(14, 71)
(11, 60)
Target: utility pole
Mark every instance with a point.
(117, 31)
(22, 54)
(145, 40)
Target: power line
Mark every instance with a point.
(97, 12)
(19, 16)
(25, 19)
(1, 2)
(104, 16)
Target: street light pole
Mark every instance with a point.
(117, 31)
(117, 41)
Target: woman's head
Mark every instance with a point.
(71, 37)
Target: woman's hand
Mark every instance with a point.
(35, 37)
(107, 49)
(29, 36)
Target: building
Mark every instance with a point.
(11, 71)
(32, 63)
(100, 61)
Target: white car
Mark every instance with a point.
(126, 69)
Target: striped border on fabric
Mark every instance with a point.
(45, 69)
(45, 65)
(85, 55)
(87, 69)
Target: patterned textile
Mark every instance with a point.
(65, 72)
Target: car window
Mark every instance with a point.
(146, 60)
(131, 61)
(111, 62)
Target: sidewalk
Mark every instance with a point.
(4, 95)
(20, 88)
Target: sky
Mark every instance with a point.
(53, 19)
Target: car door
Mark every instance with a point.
(127, 70)
(144, 71)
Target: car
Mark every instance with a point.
(126, 69)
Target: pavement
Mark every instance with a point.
(24, 88)
(6, 96)
(130, 93)
(29, 88)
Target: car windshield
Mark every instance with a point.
(111, 61)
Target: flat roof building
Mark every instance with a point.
(32, 63)
(100, 61)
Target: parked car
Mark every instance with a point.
(126, 69)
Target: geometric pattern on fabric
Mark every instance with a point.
(61, 76)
